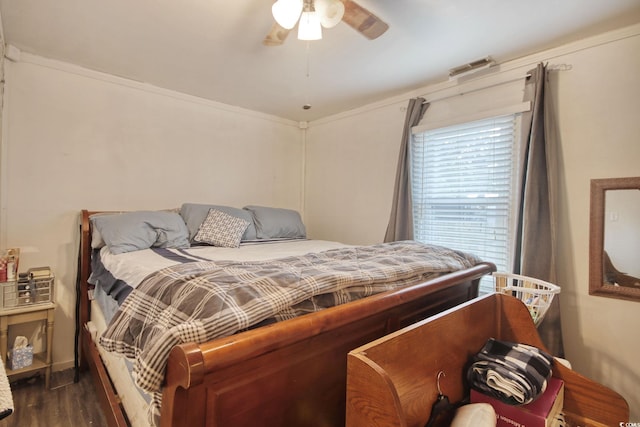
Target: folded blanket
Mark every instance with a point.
(511, 372)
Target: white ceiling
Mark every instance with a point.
(213, 48)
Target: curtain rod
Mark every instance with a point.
(559, 67)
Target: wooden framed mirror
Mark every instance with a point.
(614, 240)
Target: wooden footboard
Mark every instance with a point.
(291, 373)
(294, 373)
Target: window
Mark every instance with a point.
(463, 188)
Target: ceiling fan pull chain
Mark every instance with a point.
(307, 105)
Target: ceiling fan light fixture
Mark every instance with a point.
(287, 12)
(330, 11)
(309, 26)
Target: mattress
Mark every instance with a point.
(134, 399)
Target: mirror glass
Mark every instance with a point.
(615, 238)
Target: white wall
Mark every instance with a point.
(351, 161)
(598, 111)
(75, 139)
(350, 171)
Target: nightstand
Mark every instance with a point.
(41, 313)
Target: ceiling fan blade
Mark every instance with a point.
(363, 21)
(276, 35)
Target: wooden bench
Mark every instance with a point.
(393, 381)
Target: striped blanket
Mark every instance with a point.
(514, 373)
(199, 301)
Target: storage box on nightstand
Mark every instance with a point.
(27, 290)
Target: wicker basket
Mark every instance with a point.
(536, 294)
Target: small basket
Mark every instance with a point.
(25, 292)
(536, 294)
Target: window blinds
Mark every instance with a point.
(462, 187)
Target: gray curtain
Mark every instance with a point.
(535, 244)
(400, 225)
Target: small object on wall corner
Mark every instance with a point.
(12, 53)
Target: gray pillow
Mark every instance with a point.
(97, 242)
(132, 231)
(221, 229)
(277, 223)
(194, 215)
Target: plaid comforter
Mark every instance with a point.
(199, 301)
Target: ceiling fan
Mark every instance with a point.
(306, 13)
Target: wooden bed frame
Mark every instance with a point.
(291, 373)
(393, 381)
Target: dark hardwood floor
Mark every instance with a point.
(66, 404)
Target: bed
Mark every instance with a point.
(290, 372)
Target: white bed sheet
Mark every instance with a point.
(133, 267)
